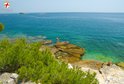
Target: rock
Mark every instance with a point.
(54, 50)
(70, 59)
(15, 77)
(44, 47)
(70, 66)
(108, 74)
(92, 64)
(9, 78)
(58, 44)
(121, 64)
(113, 74)
(46, 42)
(68, 52)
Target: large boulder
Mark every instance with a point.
(68, 52)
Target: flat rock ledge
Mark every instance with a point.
(68, 52)
(65, 51)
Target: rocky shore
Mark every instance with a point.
(106, 73)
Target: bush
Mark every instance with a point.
(31, 64)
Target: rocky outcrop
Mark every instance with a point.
(106, 73)
(112, 74)
(64, 51)
(67, 52)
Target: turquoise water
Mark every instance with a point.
(101, 34)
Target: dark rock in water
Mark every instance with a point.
(68, 52)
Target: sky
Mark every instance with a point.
(28, 6)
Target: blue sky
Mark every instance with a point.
(63, 6)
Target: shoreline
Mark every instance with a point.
(70, 54)
(89, 55)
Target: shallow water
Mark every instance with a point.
(101, 34)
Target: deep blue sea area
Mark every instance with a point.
(101, 34)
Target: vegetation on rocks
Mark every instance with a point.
(31, 64)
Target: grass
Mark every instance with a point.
(31, 64)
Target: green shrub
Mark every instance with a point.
(31, 64)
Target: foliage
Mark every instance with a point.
(32, 64)
(1, 26)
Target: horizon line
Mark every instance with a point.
(57, 12)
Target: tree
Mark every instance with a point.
(1, 27)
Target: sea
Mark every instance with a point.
(101, 34)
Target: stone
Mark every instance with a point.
(58, 44)
(44, 47)
(9, 78)
(107, 74)
(14, 76)
(113, 74)
(68, 52)
(70, 59)
(93, 64)
(54, 50)
(46, 42)
(121, 64)
(70, 66)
